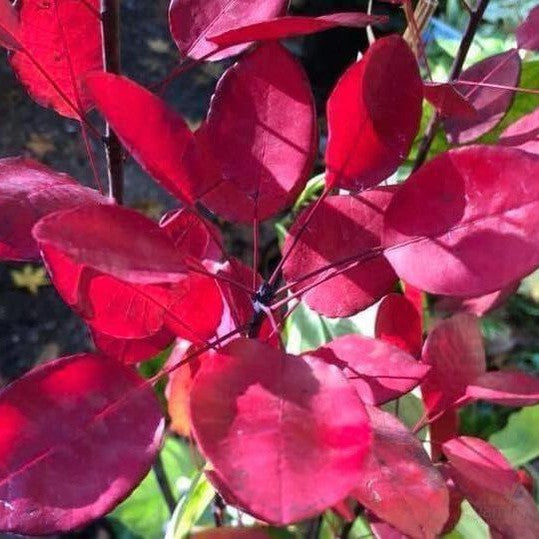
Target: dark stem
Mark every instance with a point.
(164, 485)
(456, 69)
(110, 29)
(218, 509)
(313, 528)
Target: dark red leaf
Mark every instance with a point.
(155, 135)
(264, 158)
(343, 228)
(399, 483)
(454, 350)
(485, 477)
(130, 351)
(523, 134)
(192, 21)
(64, 37)
(66, 418)
(9, 26)
(193, 235)
(480, 305)
(114, 240)
(491, 104)
(373, 116)
(399, 323)
(448, 101)
(29, 191)
(528, 31)
(286, 27)
(466, 223)
(286, 434)
(379, 371)
(455, 498)
(441, 430)
(506, 388)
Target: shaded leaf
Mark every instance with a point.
(58, 421)
(448, 101)
(478, 204)
(286, 27)
(454, 350)
(399, 483)
(379, 371)
(491, 104)
(9, 26)
(372, 126)
(29, 191)
(264, 158)
(492, 487)
(506, 388)
(528, 31)
(192, 21)
(64, 37)
(342, 229)
(307, 456)
(398, 322)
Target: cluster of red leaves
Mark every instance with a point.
(287, 436)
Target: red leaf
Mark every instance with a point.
(131, 351)
(193, 235)
(114, 240)
(61, 420)
(523, 134)
(448, 101)
(155, 135)
(286, 27)
(379, 528)
(399, 483)
(265, 158)
(9, 26)
(372, 125)
(64, 37)
(192, 21)
(455, 498)
(480, 305)
(454, 350)
(286, 434)
(29, 191)
(342, 229)
(505, 388)
(491, 104)
(485, 477)
(466, 223)
(399, 323)
(379, 371)
(528, 31)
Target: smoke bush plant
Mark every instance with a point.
(285, 437)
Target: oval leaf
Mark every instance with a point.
(29, 191)
(528, 32)
(306, 457)
(62, 419)
(286, 27)
(523, 134)
(505, 388)
(454, 350)
(64, 38)
(491, 104)
(373, 116)
(114, 240)
(399, 483)
(192, 21)
(478, 225)
(343, 229)
(483, 475)
(379, 371)
(264, 157)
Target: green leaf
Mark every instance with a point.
(470, 525)
(306, 330)
(145, 514)
(191, 508)
(519, 440)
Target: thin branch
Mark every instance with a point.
(456, 69)
(164, 485)
(110, 29)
